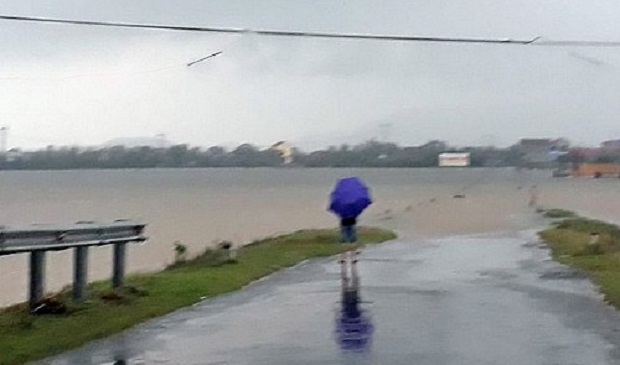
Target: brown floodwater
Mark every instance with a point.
(201, 207)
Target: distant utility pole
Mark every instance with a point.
(4, 131)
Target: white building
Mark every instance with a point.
(454, 159)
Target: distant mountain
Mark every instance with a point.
(130, 142)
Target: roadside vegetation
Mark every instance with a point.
(25, 337)
(589, 245)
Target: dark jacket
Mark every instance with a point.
(348, 221)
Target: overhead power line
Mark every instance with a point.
(262, 32)
(537, 41)
(277, 33)
(551, 43)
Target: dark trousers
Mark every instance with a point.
(348, 234)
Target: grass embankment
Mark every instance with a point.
(572, 243)
(26, 337)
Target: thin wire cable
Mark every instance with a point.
(576, 43)
(118, 73)
(537, 41)
(204, 58)
(276, 33)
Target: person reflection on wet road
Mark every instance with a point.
(353, 325)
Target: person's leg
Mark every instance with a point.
(349, 234)
(344, 276)
(355, 279)
(343, 234)
(353, 234)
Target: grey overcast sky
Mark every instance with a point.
(77, 85)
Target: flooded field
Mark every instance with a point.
(200, 207)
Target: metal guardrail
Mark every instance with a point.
(52, 238)
(38, 239)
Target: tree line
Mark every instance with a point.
(369, 154)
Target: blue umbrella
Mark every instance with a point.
(349, 198)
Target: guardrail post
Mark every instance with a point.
(119, 265)
(80, 273)
(37, 278)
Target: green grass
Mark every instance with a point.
(25, 337)
(569, 241)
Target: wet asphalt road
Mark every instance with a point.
(492, 299)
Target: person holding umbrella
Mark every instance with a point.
(348, 200)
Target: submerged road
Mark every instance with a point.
(489, 299)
